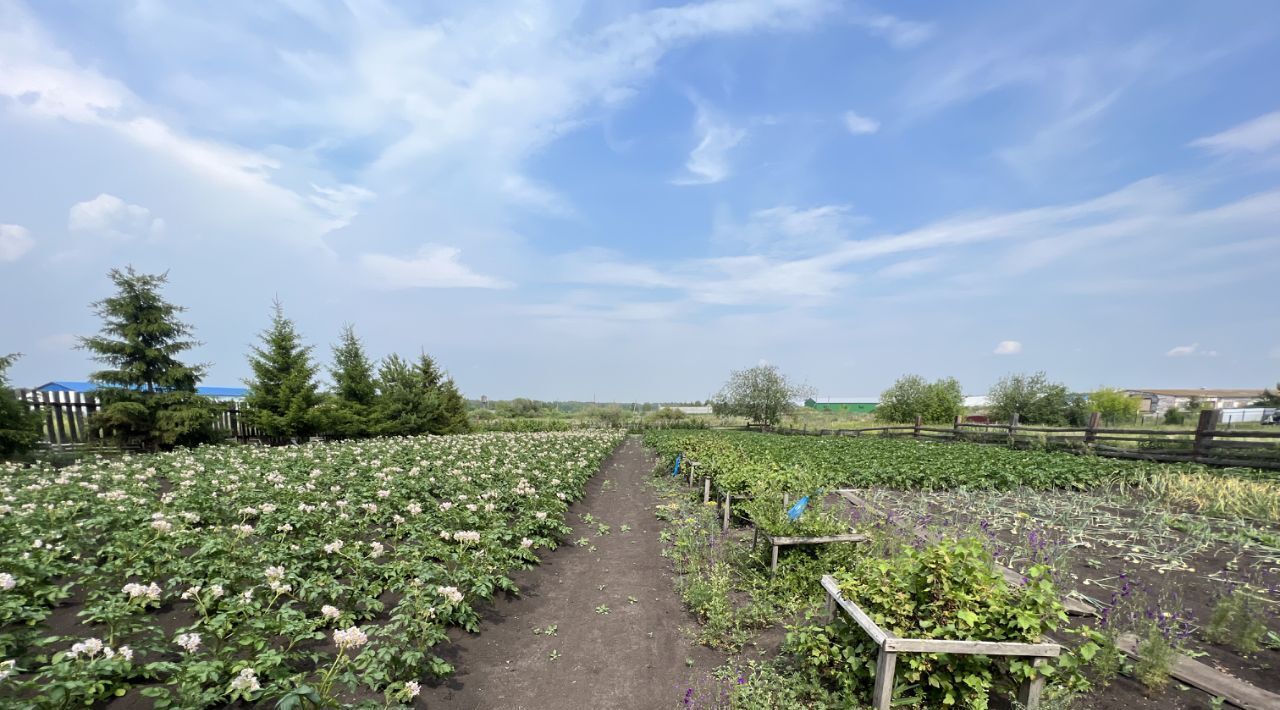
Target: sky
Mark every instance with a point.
(626, 200)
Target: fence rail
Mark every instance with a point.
(66, 419)
(1206, 444)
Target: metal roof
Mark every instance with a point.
(1227, 393)
(85, 387)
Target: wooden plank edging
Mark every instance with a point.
(1235, 691)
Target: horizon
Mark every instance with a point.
(624, 202)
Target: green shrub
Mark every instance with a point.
(947, 590)
(1237, 621)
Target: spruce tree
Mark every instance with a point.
(282, 394)
(453, 409)
(146, 394)
(19, 428)
(349, 410)
(405, 405)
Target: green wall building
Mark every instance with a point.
(852, 405)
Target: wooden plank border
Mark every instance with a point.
(1196, 674)
(891, 645)
(779, 542)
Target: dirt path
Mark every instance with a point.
(633, 657)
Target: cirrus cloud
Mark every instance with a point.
(1008, 347)
(434, 266)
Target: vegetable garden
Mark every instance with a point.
(300, 576)
(1158, 562)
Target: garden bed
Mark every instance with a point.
(890, 646)
(1116, 547)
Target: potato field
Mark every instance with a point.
(303, 576)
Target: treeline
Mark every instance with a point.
(395, 397)
(1033, 397)
(523, 407)
(147, 393)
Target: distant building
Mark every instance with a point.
(691, 410)
(1161, 401)
(976, 401)
(853, 405)
(222, 394)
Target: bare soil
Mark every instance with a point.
(638, 655)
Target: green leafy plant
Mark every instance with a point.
(946, 590)
(1237, 621)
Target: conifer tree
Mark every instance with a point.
(454, 409)
(418, 398)
(146, 393)
(19, 428)
(405, 404)
(349, 410)
(282, 394)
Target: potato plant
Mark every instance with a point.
(739, 462)
(306, 576)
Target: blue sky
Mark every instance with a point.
(625, 200)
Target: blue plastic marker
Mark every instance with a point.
(798, 509)
(676, 472)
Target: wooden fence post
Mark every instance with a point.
(1204, 431)
(916, 431)
(955, 426)
(882, 690)
(1013, 426)
(1091, 431)
(1030, 690)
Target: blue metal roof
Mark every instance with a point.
(84, 387)
(222, 391)
(66, 386)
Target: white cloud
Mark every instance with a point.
(45, 81)
(785, 229)
(15, 241)
(434, 266)
(108, 215)
(1191, 350)
(911, 267)
(751, 279)
(709, 161)
(902, 34)
(1008, 347)
(859, 124)
(1256, 136)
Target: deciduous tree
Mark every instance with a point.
(1032, 397)
(1114, 405)
(938, 402)
(762, 394)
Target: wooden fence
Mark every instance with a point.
(1206, 444)
(66, 418)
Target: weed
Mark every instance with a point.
(1237, 621)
